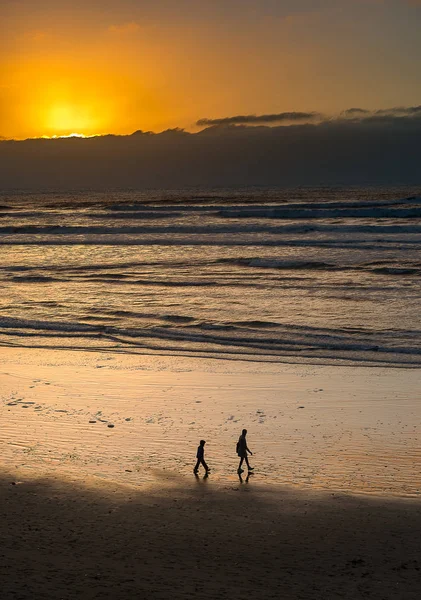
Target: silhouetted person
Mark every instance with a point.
(242, 450)
(201, 458)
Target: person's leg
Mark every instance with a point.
(195, 470)
(204, 464)
(241, 462)
(248, 464)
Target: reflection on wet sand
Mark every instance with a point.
(342, 429)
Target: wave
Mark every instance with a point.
(269, 204)
(162, 274)
(397, 271)
(131, 200)
(179, 318)
(95, 269)
(322, 213)
(164, 282)
(136, 215)
(385, 347)
(216, 236)
(210, 229)
(34, 279)
(298, 265)
(252, 324)
(272, 263)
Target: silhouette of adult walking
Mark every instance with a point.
(242, 450)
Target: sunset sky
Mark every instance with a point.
(107, 66)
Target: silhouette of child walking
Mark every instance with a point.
(201, 458)
(242, 450)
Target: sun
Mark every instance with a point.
(63, 120)
(70, 135)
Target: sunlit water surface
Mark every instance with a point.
(307, 275)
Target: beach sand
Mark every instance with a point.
(183, 538)
(93, 511)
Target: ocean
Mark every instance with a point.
(319, 276)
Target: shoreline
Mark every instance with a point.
(124, 347)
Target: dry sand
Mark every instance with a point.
(92, 511)
(62, 539)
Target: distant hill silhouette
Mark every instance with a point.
(370, 149)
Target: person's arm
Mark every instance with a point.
(249, 451)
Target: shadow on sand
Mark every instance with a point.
(190, 538)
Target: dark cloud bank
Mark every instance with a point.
(359, 147)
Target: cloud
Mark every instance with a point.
(354, 114)
(124, 28)
(396, 116)
(382, 114)
(399, 111)
(261, 119)
(351, 112)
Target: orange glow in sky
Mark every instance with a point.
(115, 67)
(65, 117)
(50, 98)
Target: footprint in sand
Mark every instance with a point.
(261, 416)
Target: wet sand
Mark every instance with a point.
(93, 511)
(121, 417)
